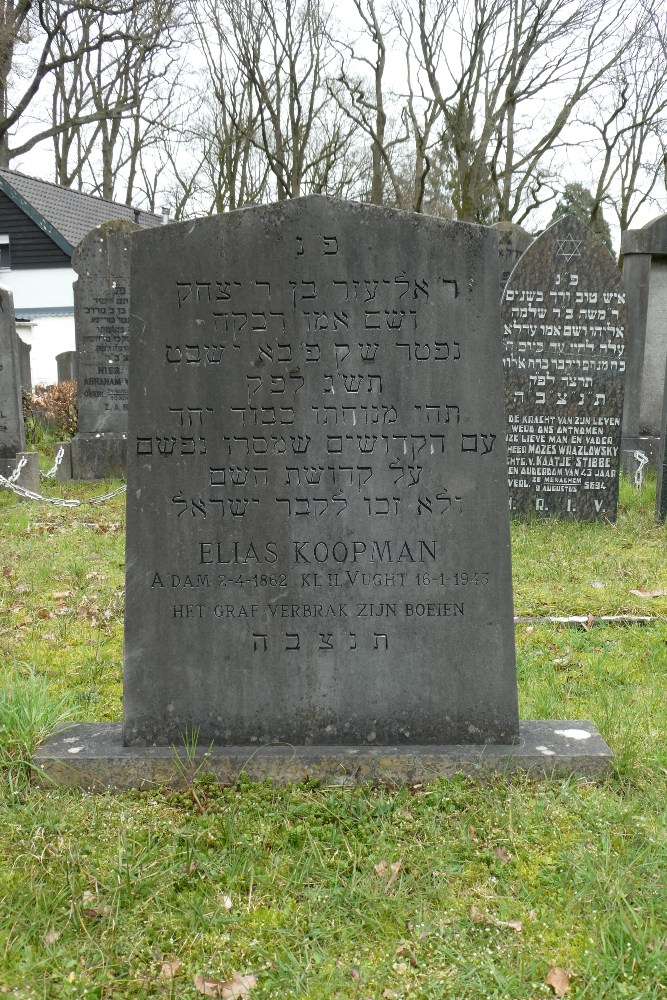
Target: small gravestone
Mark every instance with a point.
(67, 366)
(12, 431)
(513, 241)
(317, 532)
(24, 364)
(564, 333)
(101, 315)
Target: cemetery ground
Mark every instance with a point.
(514, 888)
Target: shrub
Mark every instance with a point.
(54, 404)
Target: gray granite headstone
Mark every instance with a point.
(513, 241)
(12, 431)
(661, 491)
(644, 253)
(67, 366)
(24, 364)
(317, 527)
(564, 333)
(101, 315)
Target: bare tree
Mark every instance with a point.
(271, 66)
(507, 75)
(31, 54)
(129, 84)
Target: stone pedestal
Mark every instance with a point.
(98, 456)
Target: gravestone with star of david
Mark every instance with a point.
(564, 340)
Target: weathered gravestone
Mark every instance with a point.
(564, 333)
(317, 533)
(67, 366)
(12, 432)
(661, 492)
(513, 241)
(24, 364)
(101, 314)
(318, 547)
(644, 253)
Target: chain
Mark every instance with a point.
(640, 457)
(56, 501)
(51, 473)
(17, 471)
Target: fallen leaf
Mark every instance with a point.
(395, 868)
(475, 837)
(649, 593)
(530, 628)
(477, 915)
(388, 995)
(236, 988)
(43, 613)
(532, 915)
(170, 967)
(356, 975)
(501, 853)
(227, 903)
(588, 624)
(193, 868)
(7, 571)
(51, 937)
(480, 917)
(401, 967)
(22, 588)
(60, 595)
(561, 661)
(380, 868)
(558, 980)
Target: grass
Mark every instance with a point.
(102, 896)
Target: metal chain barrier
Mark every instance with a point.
(640, 457)
(51, 473)
(17, 471)
(21, 491)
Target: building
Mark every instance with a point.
(40, 226)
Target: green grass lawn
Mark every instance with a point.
(454, 890)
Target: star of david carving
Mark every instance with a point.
(569, 248)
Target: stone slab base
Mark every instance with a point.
(92, 757)
(99, 456)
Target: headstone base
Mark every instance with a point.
(93, 757)
(64, 470)
(99, 456)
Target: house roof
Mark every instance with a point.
(66, 216)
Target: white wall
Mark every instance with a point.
(44, 288)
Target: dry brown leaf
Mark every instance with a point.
(22, 588)
(7, 571)
(395, 868)
(51, 937)
(561, 661)
(43, 613)
(60, 595)
(475, 837)
(532, 915)
(648, 593)
(401, 967)
(502, 854)
(193, 868)
(476, 915)
(356, 975)
(558, 980)
(388, 995)
(236, 988)
(380, 868)
(170, 967)
(480, 917)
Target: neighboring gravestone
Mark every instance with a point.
(12, 432)
(24, 364)
(101, 315)
(67, 366)
(644, 253)
(317, 530)
(661, 494)
(513, 241)
(564, 332)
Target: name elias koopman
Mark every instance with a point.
(313, 552)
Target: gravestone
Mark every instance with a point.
(67, 366)
(24, 364)
(12, 431)
(101, 315)
(644, 253)
(661, 492)
(513, 241)
(317, 532)
(564, 333)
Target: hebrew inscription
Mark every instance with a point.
(317, 506)
(564, 335)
